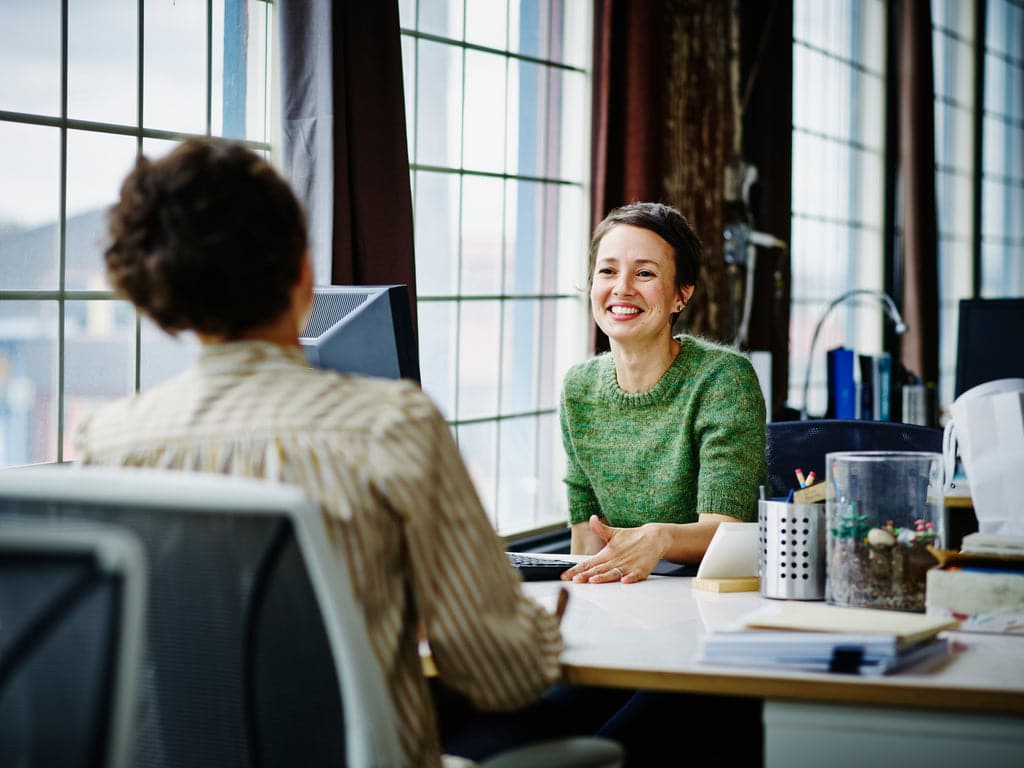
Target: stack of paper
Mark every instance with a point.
(824, 638)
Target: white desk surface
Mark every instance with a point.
(647, 635)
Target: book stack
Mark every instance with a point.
(859, 385)
(824, 638)
(982, 586)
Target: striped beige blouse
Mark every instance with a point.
(419, 546)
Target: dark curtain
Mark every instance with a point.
(663, 124)
(344, 138)
(918, 262)
(679, 87)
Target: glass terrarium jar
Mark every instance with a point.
(884, 510)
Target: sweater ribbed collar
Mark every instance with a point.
(667, 383)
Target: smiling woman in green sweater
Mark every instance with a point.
(665, 435)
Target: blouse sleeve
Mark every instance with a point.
(488, 641)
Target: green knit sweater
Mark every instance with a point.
(693, 443)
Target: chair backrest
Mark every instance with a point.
(803, 444)
(256, 651)
(72, 608)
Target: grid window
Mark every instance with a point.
(86, 87)
(1002, 173)
(838, 182)
(953, 50)
(497, 106)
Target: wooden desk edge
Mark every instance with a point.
(803, 689)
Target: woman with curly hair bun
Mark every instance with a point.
(210, 239)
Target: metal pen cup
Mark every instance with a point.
(791, 552)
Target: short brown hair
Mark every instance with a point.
(664, 221)
(209, 238)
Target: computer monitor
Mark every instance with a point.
(990, 343)
(362, 329)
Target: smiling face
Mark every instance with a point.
(633, 292)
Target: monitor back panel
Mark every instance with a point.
(990, 342)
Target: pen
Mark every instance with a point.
(810, 478)
(789, 498)
(800, 477)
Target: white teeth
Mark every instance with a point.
(625, 311)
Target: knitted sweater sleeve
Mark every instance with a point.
(582, 500)
(730, 427)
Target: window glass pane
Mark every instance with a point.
(174, 68)
(438, 104)
(29, 206)
(407, 14)
(527, 94)
(518, 475)
(486, 23)
(529, 22)
(30, 56)
(520, 344)
(481, 235)
(441, 17)
(524, 227)
(28, 382)
(573, 242)
(157, 148)
(240, 78)
(483, 140)
(574, 145)
(103, 47)
(97, 165)
(99, 359)
(479, 359)
(955, 15)
(163, 356)
(436, 322)
(954, 197)
(436, 226)
(409, 71)
(572, 19)
(478, 446)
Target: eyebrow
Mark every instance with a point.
(606, 259)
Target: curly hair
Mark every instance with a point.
(664, 221)
(209, 238)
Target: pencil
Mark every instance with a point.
(800, 477)
(810, 478)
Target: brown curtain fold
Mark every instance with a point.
(663, 124)
(920, 291)
(344, 138)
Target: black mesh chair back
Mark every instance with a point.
(72, 605)
(804, 444)
(244, 660)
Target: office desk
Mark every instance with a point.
(967, 709)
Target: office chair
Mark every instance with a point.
(804, 444)
(72, 610)
(257, 653)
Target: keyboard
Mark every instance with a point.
(549, 569)
(538, 568)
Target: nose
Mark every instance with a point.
(623, 284)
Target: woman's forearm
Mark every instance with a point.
(687, 542)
